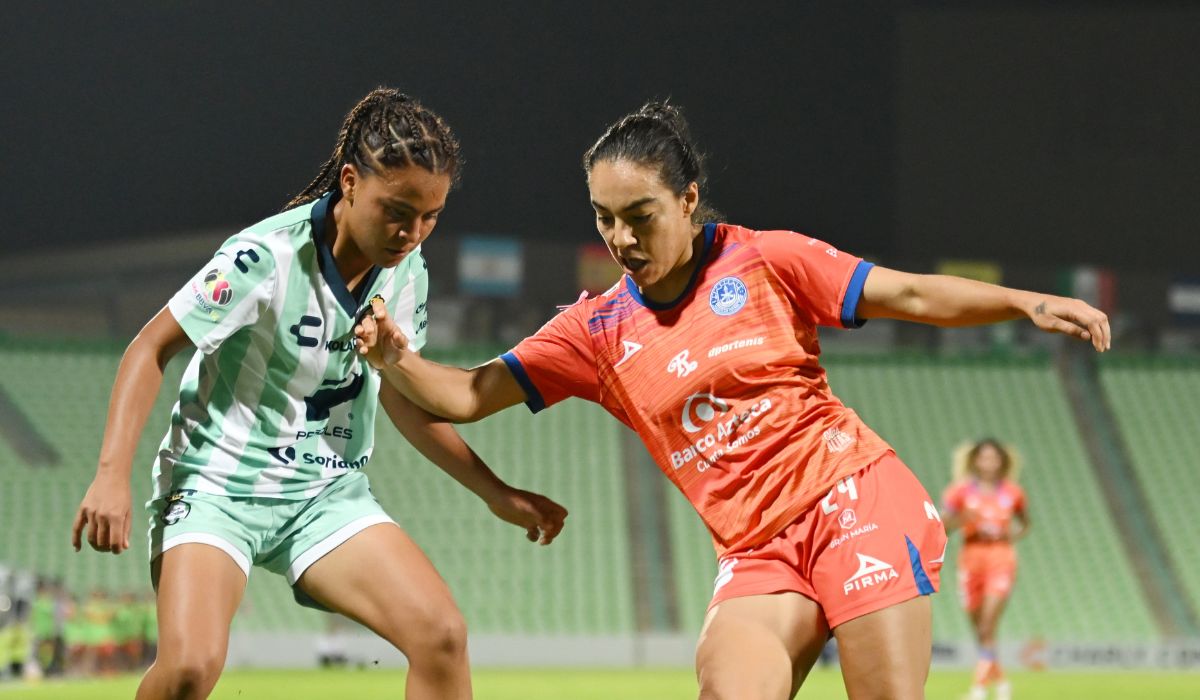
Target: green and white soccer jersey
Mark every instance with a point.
(276, 402)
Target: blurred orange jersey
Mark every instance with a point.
(722, 384)
(986, 513)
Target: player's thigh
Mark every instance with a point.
(886, 653)
(199, 588)
(381, 578)
(759, 646)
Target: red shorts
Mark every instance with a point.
(985, 569)
(875, 541)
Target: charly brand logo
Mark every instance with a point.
(217, 288)
(680, 365)
(728, 296)
(302, 340)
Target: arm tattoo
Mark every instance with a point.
(1040, 308)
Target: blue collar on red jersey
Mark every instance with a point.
(710, 233)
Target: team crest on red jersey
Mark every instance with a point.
(728, 296)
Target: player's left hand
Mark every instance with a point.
(377, 337)
(1073, 317)
(541, 517)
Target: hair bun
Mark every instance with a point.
(667, 113)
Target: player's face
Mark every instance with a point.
(989, 463)
(390, 213)
(647, 227)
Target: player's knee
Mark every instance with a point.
(443, 639)
(192, 673)
(717, 692)
(723, 683)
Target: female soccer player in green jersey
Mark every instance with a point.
(276, 412)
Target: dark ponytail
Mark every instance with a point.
(656, 135)
(387, 128)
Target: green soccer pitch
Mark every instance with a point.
(672, 684)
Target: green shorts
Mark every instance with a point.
(280, 535)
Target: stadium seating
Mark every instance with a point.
(1075, 582)
(1156, 403)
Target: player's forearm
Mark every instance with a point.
(139, 378)
(441, 444)
(448, 392)
(944, 300)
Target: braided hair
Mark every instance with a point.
(656, 135)
(386, 129)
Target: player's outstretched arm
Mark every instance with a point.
(943, 300)
(458, 395)
(106, 507)
(541, 518)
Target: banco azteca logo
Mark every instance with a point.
(217, 288)
(700, 409)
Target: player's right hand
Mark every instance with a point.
(378, 338)
(105, 514)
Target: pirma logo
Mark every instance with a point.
(217, 287)
(871, 572)
(728, 296)
(704, 407)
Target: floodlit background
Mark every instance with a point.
(1046, 148)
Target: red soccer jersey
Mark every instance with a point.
(723, 384)
(986, 513)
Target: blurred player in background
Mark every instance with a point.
(984, 500)
(128, 627)
(47, 627)
(98, 613)
(707, 347)
(262, 464)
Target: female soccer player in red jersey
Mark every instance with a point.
(707, 347)
(983, 500)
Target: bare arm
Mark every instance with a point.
(458, 395)
(951, 520)
(441, 444)
(1021, 517)
(943, 300)
(105, 509)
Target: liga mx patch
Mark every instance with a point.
(728, 296)
(217, 288)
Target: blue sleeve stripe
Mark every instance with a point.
(924, 585)
(533, 397)
(854, 290)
